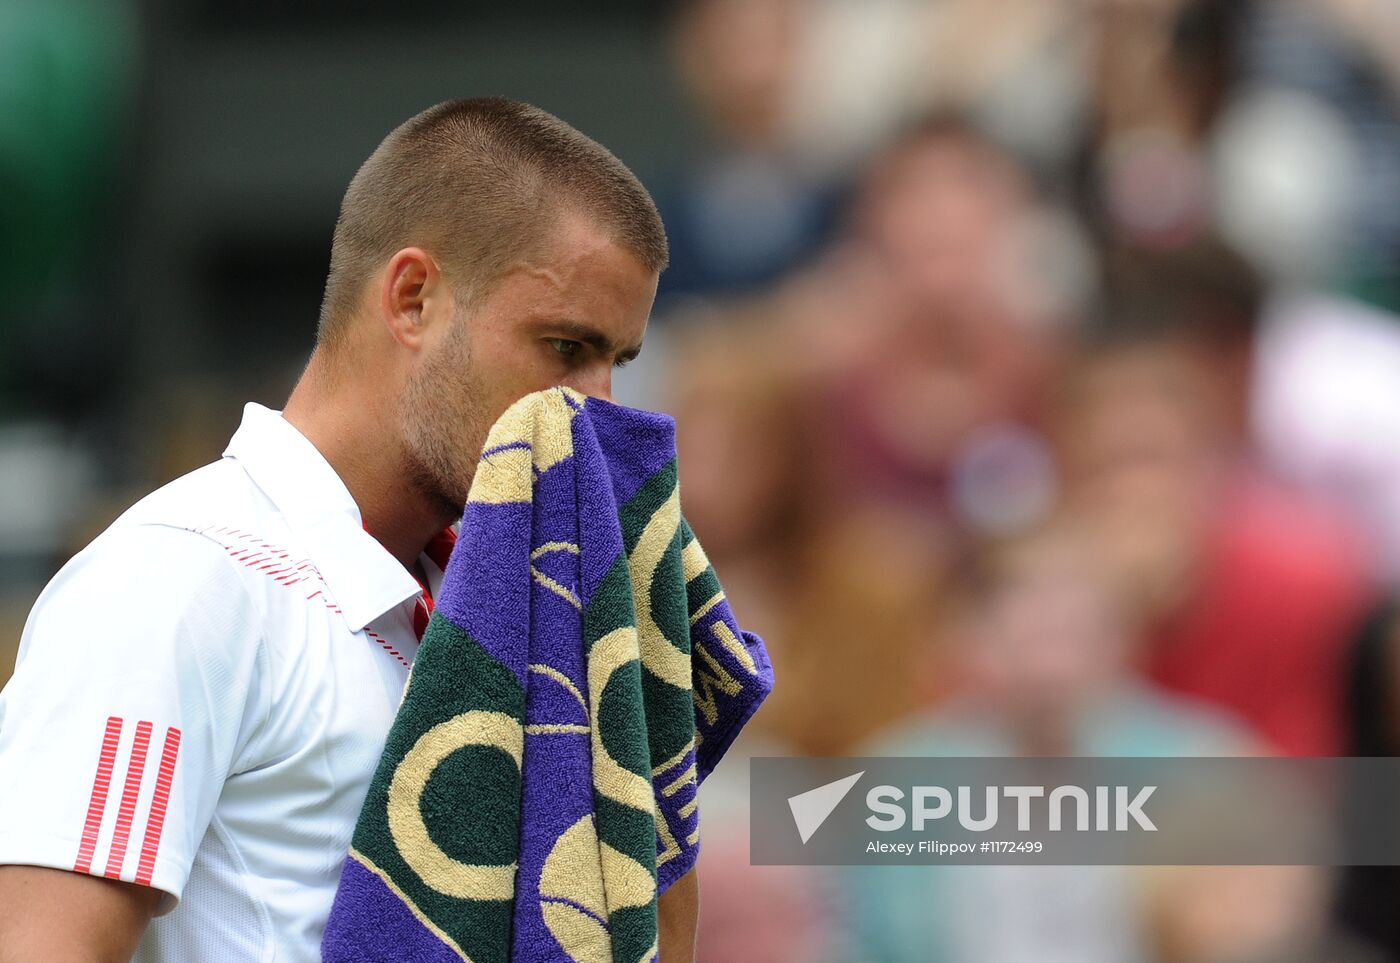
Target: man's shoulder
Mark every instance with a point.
(174, 544)
(220, 493)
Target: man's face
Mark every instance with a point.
(567, 318)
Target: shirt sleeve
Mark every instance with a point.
(132, 699)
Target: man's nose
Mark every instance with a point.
(596, 382)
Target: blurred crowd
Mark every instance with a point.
(1037, 379)
(1050, 406)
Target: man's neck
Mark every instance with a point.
(350, 432)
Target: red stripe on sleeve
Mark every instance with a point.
(122, 833)
(156, 820)
(97, 804)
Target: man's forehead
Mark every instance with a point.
(586, 289)
(578, 249)
(575, 259)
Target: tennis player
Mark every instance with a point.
(202, 694)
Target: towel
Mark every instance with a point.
(581, 675)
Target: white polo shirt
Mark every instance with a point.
(202, 695)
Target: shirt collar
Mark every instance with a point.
(364, 579)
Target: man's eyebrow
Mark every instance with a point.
(579, 331)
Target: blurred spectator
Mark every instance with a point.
(1275, 123)
(1344, 56)
(740, 436)
(1015, 66)
(886, 406)
(1261, 120)
(1044, 649)
(976, 286)
(1249, 590)
(1326, 412)
(748, 206)
(843, 593)
(1043, 644)
(1154, 91)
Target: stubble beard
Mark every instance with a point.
(442, 422)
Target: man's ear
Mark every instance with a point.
(413, 296)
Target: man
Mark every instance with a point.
(202, 694)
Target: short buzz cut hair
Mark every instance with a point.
(478, 183)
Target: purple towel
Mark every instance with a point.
(581, 676)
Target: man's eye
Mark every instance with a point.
(565, 347)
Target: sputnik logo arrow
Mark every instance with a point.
(810, 808)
